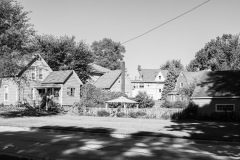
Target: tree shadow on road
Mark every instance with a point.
(100, 143)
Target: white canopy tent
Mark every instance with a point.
(121, 100)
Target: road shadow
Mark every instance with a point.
(76, 145)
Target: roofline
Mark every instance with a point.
(233, 97)
(115, 81)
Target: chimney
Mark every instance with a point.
(122, 77)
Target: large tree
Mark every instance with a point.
(16, 35)
(108, 53)
(222, 53)
(174, 67)
(63, 53)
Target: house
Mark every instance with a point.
(37, 78)
(115, 81)
(96, 71)
(63, 85)
(184, 80)
(150, 81)
(218, 92)
(19, 87)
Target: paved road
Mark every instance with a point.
(46, 145)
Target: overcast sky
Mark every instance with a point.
(121, 20)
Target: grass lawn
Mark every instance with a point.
(130, 126)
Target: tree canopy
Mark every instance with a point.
(174, 67)
(108, 53)
(63, 53)
(16, 35)
(222, 53)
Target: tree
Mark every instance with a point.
(108, 53)
(219, 54)
(144, 100)
(16, 35)
(172, 64)
(174, 67)
(64, 53)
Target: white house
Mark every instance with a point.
(150, 81)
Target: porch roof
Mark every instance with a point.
(41, 86)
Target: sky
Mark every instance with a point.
(121, 20)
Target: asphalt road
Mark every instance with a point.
(46, 145)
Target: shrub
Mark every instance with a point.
(141, 113)
(144, 100)
(190, 112)
(120, 114)
(103, 113)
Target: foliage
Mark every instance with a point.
(103, 113)
(137, 114)
(16, 35)
(172, 64)
(169, 85)
(174, 67)
(64, 53)
(187, 90)
(190, 112)
(222, 53)
(95, 97)
(175, 104)
(108, 53)
(144, 100)
(120, 114)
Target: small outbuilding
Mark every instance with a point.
(218, 92)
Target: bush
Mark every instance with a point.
(120, 114)
(137, 114)
(144, 100)
(190, 112)
(103, 113)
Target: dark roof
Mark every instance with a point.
(218, 84)
(108, 79)
(58, 77)
(94, 68)
(192, 76)
(149, 75)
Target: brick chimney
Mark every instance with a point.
(122, 77)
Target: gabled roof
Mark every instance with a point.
(108, 79)
(58, 77)
(27, 64)
(192, 76)
(97, 69)
(218, 84)
(149, 75)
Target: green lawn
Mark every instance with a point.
(130, 126)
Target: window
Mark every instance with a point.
(225, 107)
(141, 86)
(5, 92)
(32, 94)
(70, 91)
(119, 81)
(34, 73)
(172, 97)
(40, 75)
(181, 85)
(160, 90)
(159, 77)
